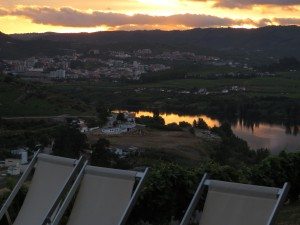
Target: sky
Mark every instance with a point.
(28, 16)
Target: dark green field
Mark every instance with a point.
(79, 98)
(283, 84)
(21, 99)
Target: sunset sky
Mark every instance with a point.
(24, 16)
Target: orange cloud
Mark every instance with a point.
(74, 18)
(43, 18)
(250, 3)
(287, 21)
(3, 12)
(69, 17)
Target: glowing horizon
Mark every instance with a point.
(74, 16)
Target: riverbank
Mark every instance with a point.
(181, 145)
(275, 137)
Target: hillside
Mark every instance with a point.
(19, 98)
(14, 48)
(266, 41)
(7, 44)
(4, 38)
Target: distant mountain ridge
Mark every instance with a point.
(6, 39)
(269, 41)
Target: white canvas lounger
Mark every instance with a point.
(51, 176)
(105, 196)
(237, 204)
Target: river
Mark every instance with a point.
(263, 135)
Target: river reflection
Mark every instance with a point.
(175, 118)
(261, 135)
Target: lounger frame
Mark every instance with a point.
(23, 178)
(11, 197)
(205, 182)
(140, 175)
(72, 178)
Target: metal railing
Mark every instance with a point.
(9, 200)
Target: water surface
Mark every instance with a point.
(263, 135)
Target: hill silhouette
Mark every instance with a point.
(266, 41)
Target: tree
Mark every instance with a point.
(44, 140)
(276, 170)
(8, 79)
(224, 130)
(184, 124)
(121, 117)
(153, 122)
(69, 142)
(102, 113)
(155, 113)
(31, 142)
(234, 151)
(192, 131)
(101, 155)
(173, 127)
(166, 193)
(200, 124)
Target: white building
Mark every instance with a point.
(112, 130)
(94, 52)
(36, 70)
(114, 126)
(81, 126)
(59, 74)
(122, 55)
(123, 153)
(225, 91)
(14, 170)
(144, 51)
(93, 129)
(23, 153)
(12, 162)
(31, 62)
(127, 126)
(84, 129)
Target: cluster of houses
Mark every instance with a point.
(83, 127)
(140, 53)
(249, 73)
(203, 91)
(40, 67)
(95, 64)
(16, 164)
(194, 91)
(233, 89)
(92, 65)
(117, 125)
(123, 153)
(117, 68)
